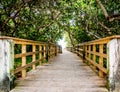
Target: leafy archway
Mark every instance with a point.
(48, 20)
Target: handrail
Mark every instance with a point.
(102, 55)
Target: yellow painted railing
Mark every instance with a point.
(103, 56)
(95, 54)
(33, 51)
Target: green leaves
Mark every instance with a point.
(48, 20)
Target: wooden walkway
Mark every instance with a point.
(65, 73)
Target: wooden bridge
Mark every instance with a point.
(87, 67)
(64, 73)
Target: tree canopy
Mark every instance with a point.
(48, 20)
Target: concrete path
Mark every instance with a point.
(65, 73)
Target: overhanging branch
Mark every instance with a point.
(103, 8)
(109, 17)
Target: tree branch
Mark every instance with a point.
(103, 8)
(109, 17)
(48, 25)
(90, 33)
(16, 13)
(114, 17)
(105, 27)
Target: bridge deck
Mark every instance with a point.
(65, 73)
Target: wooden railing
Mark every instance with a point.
(44, 51)
(101, 56)
(21, 55)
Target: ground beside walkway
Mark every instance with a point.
(65, 73)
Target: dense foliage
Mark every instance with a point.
(48, 20)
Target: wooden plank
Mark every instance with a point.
(33, 56)
(80, 49)
(26, 66)
(85, 52)
(50, 51)
(97, 42)
(102, 40)
(94, 55)
(64, 74)
(98, 54)
(22, 41)
(89, 55)
(26, 54)
(40, 54)
(101, 60)
(80, 54)
(44, 51)
(23, 60)
(97, 65)
(56, 51)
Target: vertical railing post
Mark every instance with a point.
(84, 53)
(101, 60)
(53, 50)
(33, 56)
(44, 51)
(114, 65)
(89, 49)
(56, 50)
(23, 60)
(94, 56)
(6, 64)
(40, 54)
(48, 52)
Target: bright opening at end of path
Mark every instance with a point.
(62, 42)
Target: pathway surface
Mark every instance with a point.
(65, 73)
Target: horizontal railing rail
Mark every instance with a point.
(101, 55)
